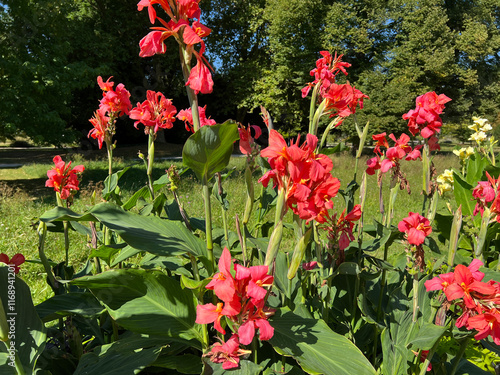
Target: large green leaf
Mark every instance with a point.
(315, 346)
(146, 302)
(84, 304)
(185, 364)
(463, 194)
(122, 357)
(209, 149)
(475, 168)
(146, 233)
(27, 333)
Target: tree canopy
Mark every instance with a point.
(262, 52)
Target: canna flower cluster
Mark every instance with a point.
(339, 231)
(63, 178)
(477, 301)
(186, 33)
(416, 228)
(486, 192)
(340, 100)
(243, 299)
(327, 67)
(391, 159)
(114, 103)
(15, 261)
(464, 153)
(156, 112)
(247, 143)
(302, 175)
(424, 119)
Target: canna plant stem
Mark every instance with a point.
(208, 221)
(185, 58)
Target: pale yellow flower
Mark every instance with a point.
(444, 188)
(480, 121)
(464, 153)
(479, 137)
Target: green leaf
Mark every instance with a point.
(28, 336)
(145, 302)
(428, 335)
(146, 233)
(475, 168)
(463, 194)
(209, 149)
(185, 364)
(111, 182)
(106, 253)
(315, 346)
(245, 368)
(84, 304)
(132, 201)
(113, 360)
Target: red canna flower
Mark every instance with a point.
(115, 102)
(303, 175)
(488, 324)
(464, 284)
(210, 313)
(186, 115)
(373, 165)
(381, 141)
(416, 227)
(156, 112)
(342, 100)
(256, 320)
(246, 139)
(228, 353)
(153, 43)
(15, 261)
(63, 179)
(100, 122)
(440, 282)
(340, 230)
(223, 282)
(433, 143)
(326, 70)
(200, 79)
(243, 292)
(484, 193)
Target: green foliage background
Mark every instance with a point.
(262, 52)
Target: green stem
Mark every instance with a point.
(151, 156)
(459, 355)
(42, 234)
(415, 296)
(109, 149)
(208, 221)
(60, 203)
(423, 370)
(312, 108)
(185, 58)
(194, 265)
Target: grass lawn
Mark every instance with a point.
(23, 198)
